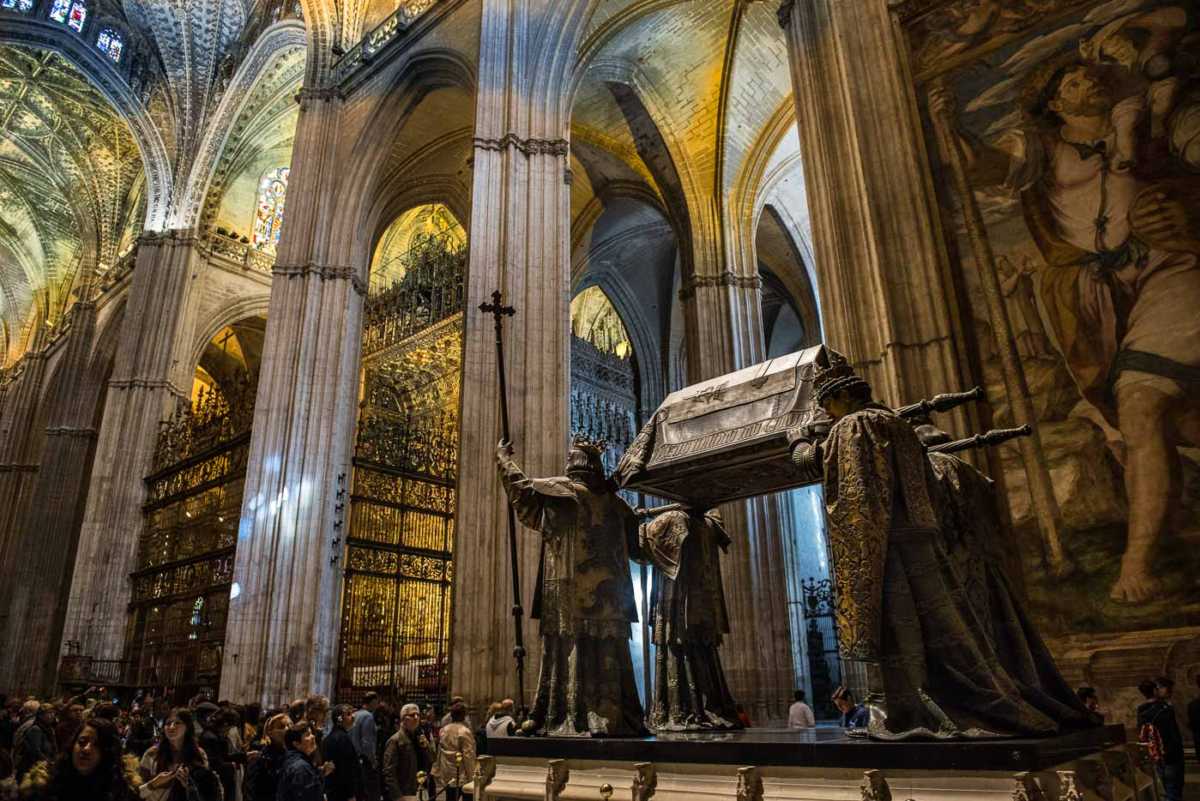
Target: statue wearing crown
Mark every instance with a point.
(914, 646)
(584, 600)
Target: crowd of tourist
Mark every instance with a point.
(90, 748)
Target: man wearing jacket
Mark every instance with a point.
(34, 740)
(407, 752)
(364, 733)
(346, 781)
(1159, 713)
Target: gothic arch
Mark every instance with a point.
(105, 76)
(360, 190)
(793, 273)
(650, 374)
(748, 197)
(278, 42)
(253, 306)
(321, 23)
(401, 196)
(596, 39)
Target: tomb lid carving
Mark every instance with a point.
(727, 438)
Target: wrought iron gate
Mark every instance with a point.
(396, 606)
(186, 550)
(824, 662)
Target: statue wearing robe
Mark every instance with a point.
(688, 620)
(912, 641)
(584, 603)
(972, 526)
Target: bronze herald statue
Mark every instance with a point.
(688, 620)
(934, 652)
(585, 603)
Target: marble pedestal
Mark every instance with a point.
(816, 765)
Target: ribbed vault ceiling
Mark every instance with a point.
(69, 177)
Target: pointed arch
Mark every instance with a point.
(361, 187)
(282, 41)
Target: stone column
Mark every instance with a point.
(887, 297)
(148, 378)
(520, 244)
(285, 603)
(722, 302)
(18, 457)
(32, 612)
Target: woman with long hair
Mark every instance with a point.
(266, 764)
(91, 768)
(176, 768)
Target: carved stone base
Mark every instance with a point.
(731, 767)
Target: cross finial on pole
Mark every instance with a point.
(497, 308)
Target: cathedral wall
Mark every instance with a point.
(1015, 86)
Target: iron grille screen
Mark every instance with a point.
(396, 604)
(186, 548)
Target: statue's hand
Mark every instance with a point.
(504, 450)
(795, 436)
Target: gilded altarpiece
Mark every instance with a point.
(396, 606)
(184, 570)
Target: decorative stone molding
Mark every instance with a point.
(750, 785)
(64, 431)
(324, 273)
(142, 383)
(722, 279)
(645, 781)
(557, 775)
(529, 147)
(875, 787)
(183, 236)
(306, 95)
(1068, 787)
(1027, 788)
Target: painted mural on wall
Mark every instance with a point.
(1080, 127)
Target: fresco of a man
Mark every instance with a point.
(1122, 284)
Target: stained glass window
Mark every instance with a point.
(110, 44)
(72, 13)
(24, 6)
(268, 216)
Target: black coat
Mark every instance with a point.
(262, 775)
(347, 781)
(1161, 715)
(216, 748)
(299, 780)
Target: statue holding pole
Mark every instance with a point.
(584, 602)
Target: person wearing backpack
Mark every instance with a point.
(1159, 729)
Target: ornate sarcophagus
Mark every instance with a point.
(727, 438)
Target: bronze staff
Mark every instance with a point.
(499, 311)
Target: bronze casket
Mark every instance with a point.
(727, 438)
